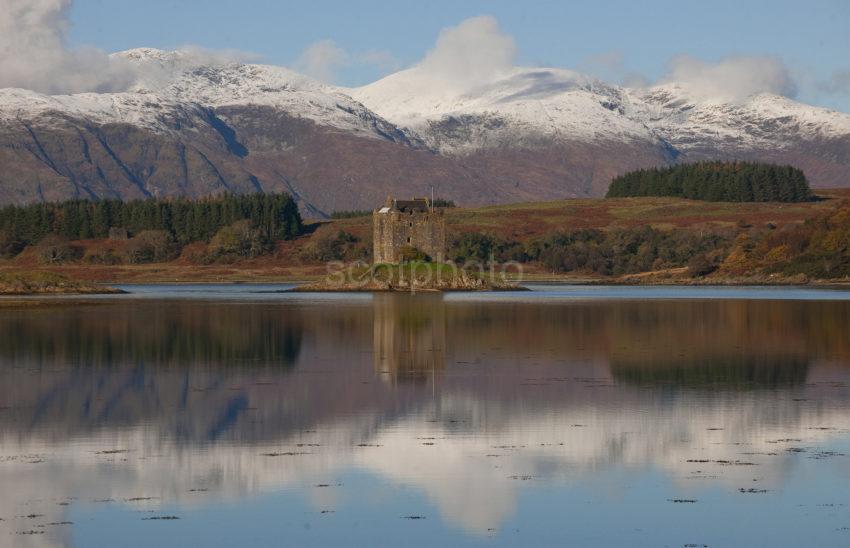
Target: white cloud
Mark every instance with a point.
(733, 78)
(34, 55)
(323, 60)
(477, 52)
(473, 53)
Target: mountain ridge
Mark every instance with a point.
(192, 126)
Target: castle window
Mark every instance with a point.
(408, 239)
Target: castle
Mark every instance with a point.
(408, 224)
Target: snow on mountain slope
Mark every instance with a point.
(139, 109)
(523, 107)
(174, 82)
(567, 105)
(263, 85)
(523, 102)
(761, 120)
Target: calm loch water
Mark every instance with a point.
(566, 416)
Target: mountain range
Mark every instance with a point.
(190, 129)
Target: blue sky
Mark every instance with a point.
(611, 39)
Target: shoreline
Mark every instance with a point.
(547, 280)
(21, 299)
(75, 281)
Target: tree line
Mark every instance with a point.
(716, 182)
(185, 220)
(614, 252)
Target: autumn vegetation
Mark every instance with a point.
(637, 239)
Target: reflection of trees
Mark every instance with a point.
(169, 333)
(741, 343)
(716, 371)
(195, 371)
(409, 335)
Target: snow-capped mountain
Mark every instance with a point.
(528, 105)
(168, 84)
(178, 80)
(189, 129)
(192, 125)
(553, 102)
(565, 104)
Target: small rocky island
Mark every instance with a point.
(409, 250)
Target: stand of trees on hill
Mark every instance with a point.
(716, 182)
(274, 216)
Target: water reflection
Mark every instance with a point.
(409, 336)
(114, 335)
(470, 403)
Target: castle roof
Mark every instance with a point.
(416, 204)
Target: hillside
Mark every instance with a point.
(525, 224)
(185, 129)
(600, 130)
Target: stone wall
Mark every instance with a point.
(424, 230)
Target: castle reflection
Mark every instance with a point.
(409, 336)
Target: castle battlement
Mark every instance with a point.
(408, 223)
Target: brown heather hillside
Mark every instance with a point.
(524, 224)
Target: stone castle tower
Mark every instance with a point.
(414, 223)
